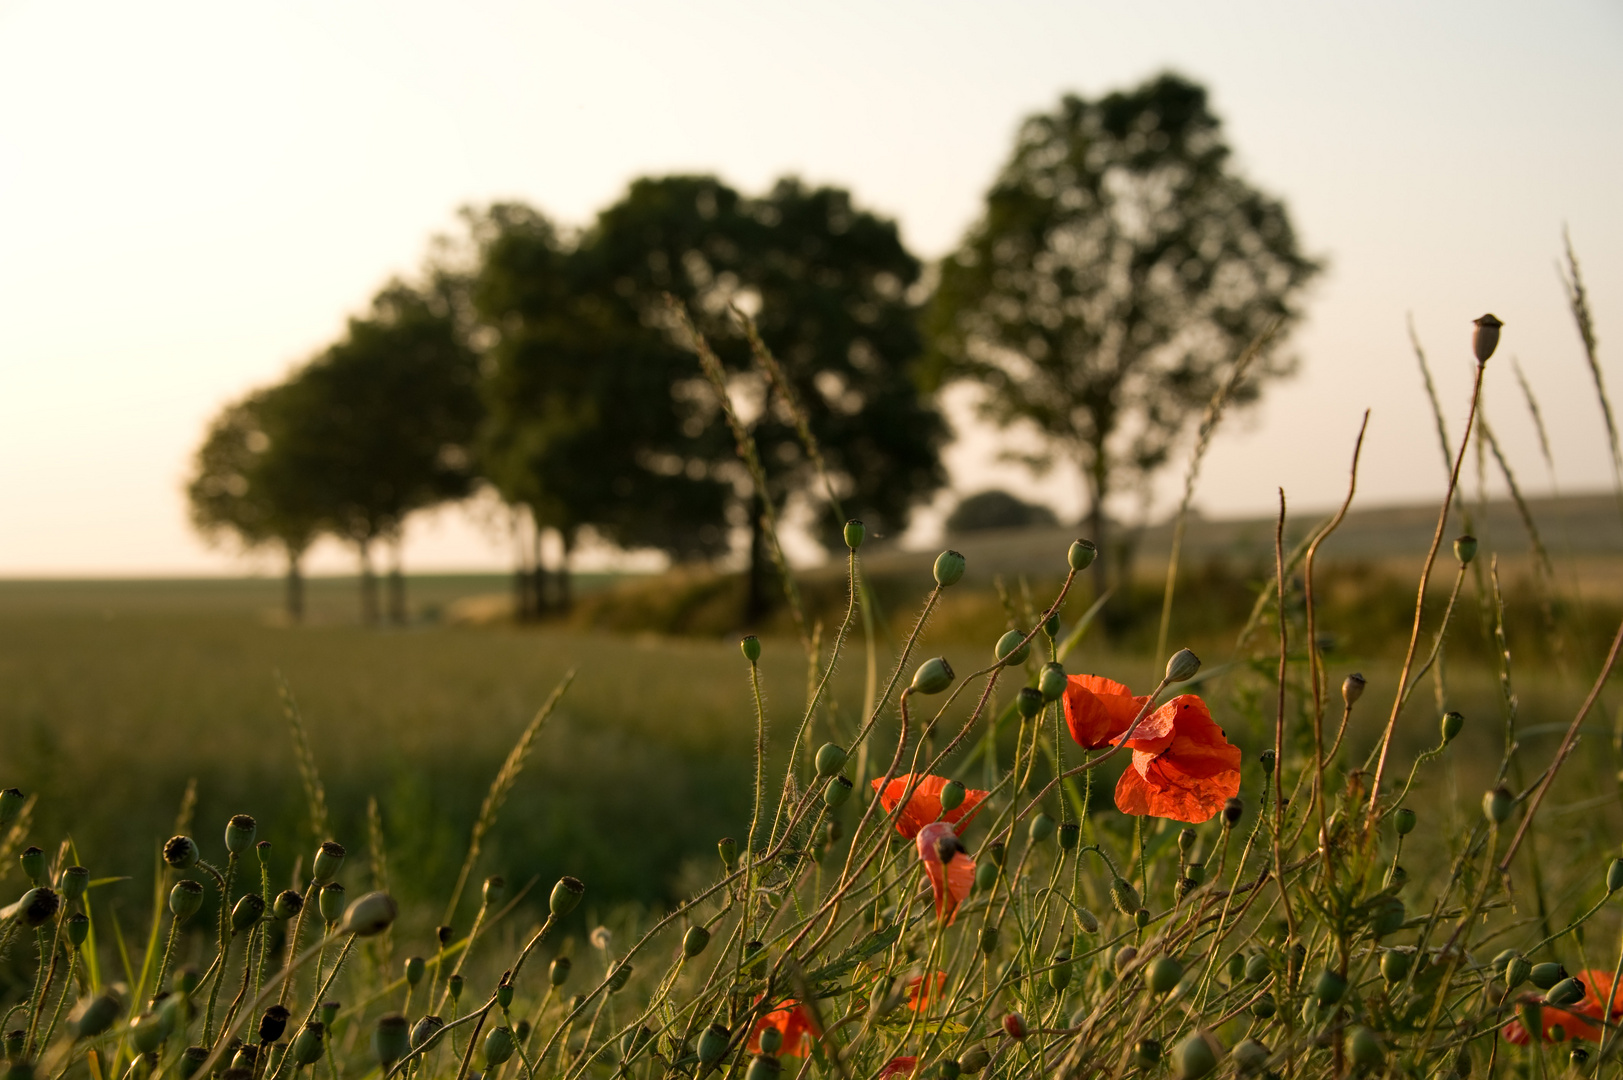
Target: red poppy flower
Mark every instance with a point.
(951, 878)
(1576, 1022)
(1183, 767)
(793, 1020)
(920, 991)
(924, 805)
(899, 1066)
(1099, 710)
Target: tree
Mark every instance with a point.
(243, 486)
(1119, 267)
(997, 509)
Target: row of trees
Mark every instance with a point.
(1120, 265)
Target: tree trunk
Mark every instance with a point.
(756, 597)
(294, 595)
(369, 584)
(397, 582)
(1097, 476)
(538, 575)
(566, 593)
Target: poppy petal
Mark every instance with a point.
(1098, 710)
(924, 805)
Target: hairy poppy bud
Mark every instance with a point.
(837, 791)
(855, 533)
(1081, 555)
(75, 880)
(1233, 810)
(330, 902)
(695, 941)
(1403, 820)
(1013, 648)
(273, 1023)
(499, 1044)
(1041, 828)
(713, 1044)
(1059, 970)
(328, 861)
(1394, 965)
(932, 676)
(1364, 1049)
(288, 904)
(1194, 1057)
(1123, 959)
(1614, 876)
(1266, 760)
(1051, 681)
(949, 568)
(494, 891)
(727, 848)
(424, 1029)
(371, 914)
(1123, 896)
(762, 1067)
(391, 1039)
(1497, 805)
(247, 912)
(1547, 975)
(185, 898)
(1070, 834)
(1249, 1057)
(78, 925)
(830, 759)
(1014, 1025)
(751, 648)
(1141, 918)
(1028, 701)
(771, 1040)
(1465, 549)
(1165, 973)
(986, 875)
(566, 894)
(1485, 337)
(11, 804)
(1451, 725)
(1352, 688)
(181, 852)
(239, 833)
(988, 940)
(952, 796)
(94, 1015)
(307, 1044)
(1517, 971)
(558, 971)
(1051, 626)
(974, 1059)
(1182, 666)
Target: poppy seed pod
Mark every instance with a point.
(762, 1067)
(566, 894)
(855, 533)
(1123, 959)
(1263, 1007)
(1266, 760)
(1249, 1057)
(328, 861)
(1051, 626)
(330, 902)
(287, 904)
(415, 967)
(495, 890)
(185, 898)
(75, 880)
(558, 971)
(1485, 337)
(191, 1059)
(837, 791)
(247, 912)
(932, 676)
(391, 1039)
(947, 848)
(1614, 876)
(1257, 968)
(1014, 1025)
(974, 1059)
(1081, 555)
(695, 941)
(1233, 810)
(307, 1044)
(1051, 681)
(1465, 549)
(1389, 917)
(1547, 975)
(986, 875)
(633, 1041)
(1059, 971)
(1403, 820)
(952, 796)
(830, 759)
(1194, 1057)
(242, 1061)
(1182, 666)
(1147, 1053)
(273, 1023)
(1028, 701)
(32, 861)
(988, 940)
(771, 1040)
(424, 1029)
(1123, 896)
(947, 1069)
(78, 926)
(713, 1044)
(94, 1015)
(1578, 1056)
(1352, 688)
(750, 646)
(997, 852)
(263, 850)
(1566, 992)
(504, 996)
(1329, 987)
(619, 977)
(727, 848)
(1517, 971)
(1451, 725)
(15, 1040)
(327, 1013)
(1070, 833)
(1012, 648)
(371, 914)
(443, 935)
(1364, 1049)
(1165, 973)
(181, 852)
(499, 1044)
(453, 986)
(11, 804)
(949, 568)
(1497, 966)
(186, 979)
(239, 833)
(1394, 965)
(1497, 805)
(1041, 828)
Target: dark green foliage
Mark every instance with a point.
(997, 509)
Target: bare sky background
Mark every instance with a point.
(194, 196)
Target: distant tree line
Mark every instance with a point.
(1118, 265)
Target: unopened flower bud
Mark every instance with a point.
(1028, 700)
(1041, 828)
(1364, 1049)
(495, 890)
(1403, 819)
(985, 875)
(855, 532)
(695, 941)
(974, 1059)
(1182, 666)
(1394, 965)
(248, 911)
(307, 1044)
(1517, 971)
(424, 1029)
(952, 796)
(272, 1023)
(1497, 805)
(1123, 896)
(1352, 688)
(1164, 974)
(1257, 968)
(454, 985)
(181, 852)
(1485, 337)
(1059, 970)
(1070, 833)
(1452, 724)
(329, 859)
(932, 676)
(75, 880)
(1081, 555)
(949, 568)
(391, 1039)
(837, 791)
(185, 898)
(1233, 809)
(1014, 1025)
(1012, 648)
(1051, 681)
(11, 804)
(443, 935)
(1614, 876)
(239, 833)
(1465, 549)
(78, 926)
(558, 971)
(566, 894)
(727, 848)
(751, 648)
(771, 1040)
(1087, 920)
(371, 914)
(1194, 1057)
(713, 1044)
(988, 940)
(499, 1044)
(288, 904)
(1123, 959)
(330, 902)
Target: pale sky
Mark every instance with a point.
(194, 196)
